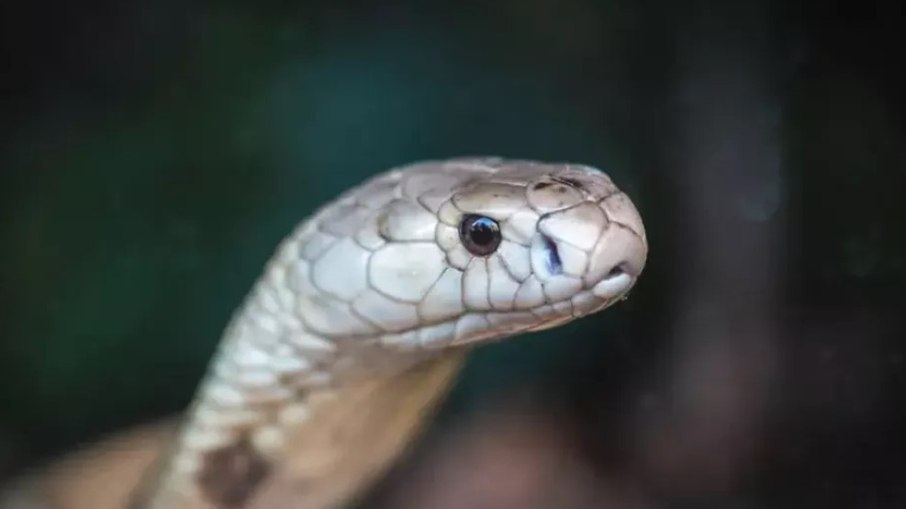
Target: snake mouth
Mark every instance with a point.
(489, 325)
(594, 293)
(607, 292)
(600, 287)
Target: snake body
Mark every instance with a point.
(366, 311)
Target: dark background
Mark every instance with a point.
(154, 153)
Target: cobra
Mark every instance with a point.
(365, 313)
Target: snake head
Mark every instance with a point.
(452, 252)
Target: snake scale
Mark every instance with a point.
(366, 311)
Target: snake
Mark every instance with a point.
(364, 315)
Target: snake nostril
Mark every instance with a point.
(616, 271)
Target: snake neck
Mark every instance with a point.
(353, 435)
(286, 412)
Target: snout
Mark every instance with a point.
(602, 242)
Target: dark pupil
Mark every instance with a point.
(483, 231)
(480, 235)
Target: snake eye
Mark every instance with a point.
(479, 234)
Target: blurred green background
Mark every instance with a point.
(154, 153)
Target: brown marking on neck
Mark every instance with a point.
(230, 475)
